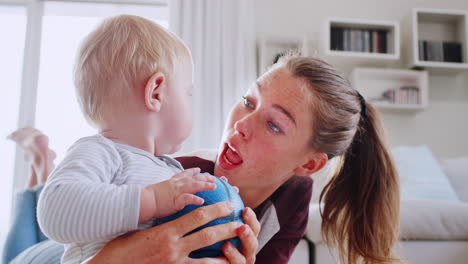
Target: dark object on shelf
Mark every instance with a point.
(452, 52)
(440, 51)
(359, 40)
(382, 41)
(336, 38)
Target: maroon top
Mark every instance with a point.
(291, 202)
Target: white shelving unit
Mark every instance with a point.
(373, 82)
(439, 26)
(393, 39)
(270, 47)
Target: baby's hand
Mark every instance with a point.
(174, 194)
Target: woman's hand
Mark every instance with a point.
(166, 243)
(248, 235)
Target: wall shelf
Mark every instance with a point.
(362, 39)
(439, 40)
(409, 88)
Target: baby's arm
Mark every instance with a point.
(167, 197)
(79, 203)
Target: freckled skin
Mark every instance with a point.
(269, 158)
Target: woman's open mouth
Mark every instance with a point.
(230, 158)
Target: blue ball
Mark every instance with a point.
(223, 192)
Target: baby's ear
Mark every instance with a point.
(154, 91)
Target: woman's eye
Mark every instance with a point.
(274, 127)
(247, 102)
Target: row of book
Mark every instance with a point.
(402, 95)
(440, 51)
(360, 40)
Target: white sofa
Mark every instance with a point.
(414, 252)
(432, 231)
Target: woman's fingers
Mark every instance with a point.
(220, 260)
(250, 218)
(210, 235)
(201, 216)
(249, 243)
(232, 254)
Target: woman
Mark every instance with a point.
(300, 114)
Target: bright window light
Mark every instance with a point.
(13, 25)
(64, 27)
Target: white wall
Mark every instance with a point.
(443, 126)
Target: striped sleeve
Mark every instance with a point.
(45, 252)
(79, 204)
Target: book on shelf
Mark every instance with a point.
(383, 40)
(409, 95)
(441, 51)
(359, 40)
(452, 52)
(366, 44)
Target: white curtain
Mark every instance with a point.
(221, 37)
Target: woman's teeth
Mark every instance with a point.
(233, 149)
(231, 156)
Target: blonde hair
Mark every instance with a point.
(361, 211)
(118, 57)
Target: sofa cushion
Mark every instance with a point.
(421, 219)
(434, 220)
(421, 176)
(457, 172)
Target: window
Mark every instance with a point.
(13, 25)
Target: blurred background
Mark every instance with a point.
(409, 57)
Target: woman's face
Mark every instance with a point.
(268, 133)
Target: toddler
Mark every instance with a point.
(134, 83)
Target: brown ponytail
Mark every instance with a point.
(361, 203)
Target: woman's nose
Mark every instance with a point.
(242, 127)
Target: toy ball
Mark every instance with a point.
(223, 192)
